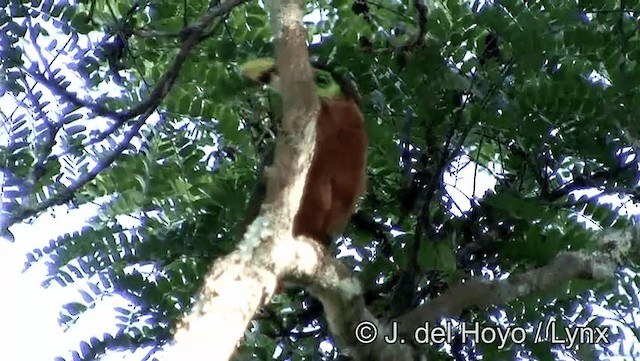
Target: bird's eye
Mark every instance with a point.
(322, 79)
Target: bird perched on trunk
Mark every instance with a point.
(337, 175)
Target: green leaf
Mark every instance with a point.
(75, 308)
(255, 21)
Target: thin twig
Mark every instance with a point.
(192, 36)
(68, 193)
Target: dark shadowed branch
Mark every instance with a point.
(191, 37)
(66, 194)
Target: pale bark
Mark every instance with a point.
(480, 293)
(243, 281)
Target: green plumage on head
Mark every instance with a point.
(329, 84)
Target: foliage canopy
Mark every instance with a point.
(502, 133)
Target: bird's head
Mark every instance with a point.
(329, 84)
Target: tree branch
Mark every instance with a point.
(191, 37)
(243, 281)
(67, 193)
(480, 292)
(344, 307)
(587, 181)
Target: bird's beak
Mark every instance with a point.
(259, 70)
(263, 71)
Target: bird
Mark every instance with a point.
(337, 177)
